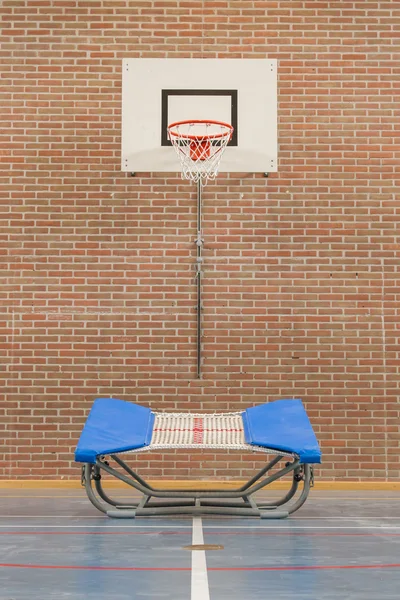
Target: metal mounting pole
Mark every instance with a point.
(199, 244)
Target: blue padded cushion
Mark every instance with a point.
(282, 425)
(114, 426)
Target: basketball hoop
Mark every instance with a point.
(199, 146)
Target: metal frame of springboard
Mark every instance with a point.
(194, 501)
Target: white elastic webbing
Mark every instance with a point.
(179, 429)
(219, 431)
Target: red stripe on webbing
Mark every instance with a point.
(188, 429)
(198, 430)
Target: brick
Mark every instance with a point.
(97, 291)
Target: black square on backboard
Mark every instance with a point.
(165, 94)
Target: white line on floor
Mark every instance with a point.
(173, 527)
(79, 518)
(199, 586)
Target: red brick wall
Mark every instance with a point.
(97, 291)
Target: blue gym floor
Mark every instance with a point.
(54, 545)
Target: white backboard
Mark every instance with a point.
(241, 92)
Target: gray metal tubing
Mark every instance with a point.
(89, 490)
(131, 472)
(208, 507)
(245, 487)
(143, 502)
(292, 491)
(91, 495)
(102, 494)
(198, 275)
(305, 492)
(274, 514)
(172, 503)
(121, 514)
(216, 493)
(106, 498)
(244, 504)
(249, 500)
(131, 514)
(205, 510)
(289, 495)
(258, 476)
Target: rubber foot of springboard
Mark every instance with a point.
(271, 514)
(122, 513)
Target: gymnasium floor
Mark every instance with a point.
(54, 545)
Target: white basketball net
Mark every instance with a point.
(199, 146)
